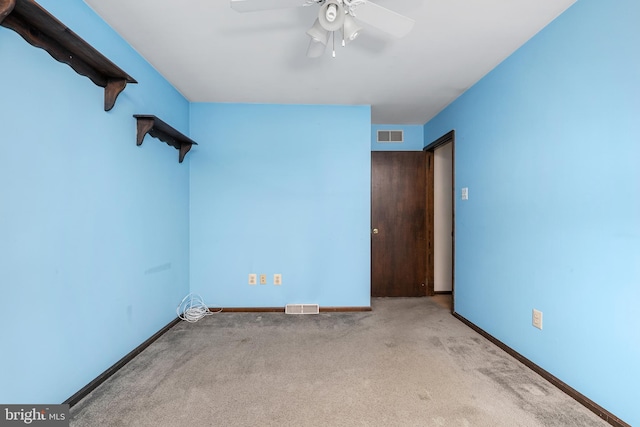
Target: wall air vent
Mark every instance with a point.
(386, 136)
(302, 309)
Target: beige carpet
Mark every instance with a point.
(409, 362)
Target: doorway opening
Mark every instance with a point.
(441, 217)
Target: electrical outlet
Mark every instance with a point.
(263, 279)
(277, 279)
(253, 279)
(537, 318)
(465, 193)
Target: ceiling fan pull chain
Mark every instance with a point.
(333, 40)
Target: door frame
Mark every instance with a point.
(429, 150)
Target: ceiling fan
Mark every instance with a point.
(334, 15)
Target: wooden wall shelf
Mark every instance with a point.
(164, 132)
(41, 29)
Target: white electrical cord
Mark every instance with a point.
(192, 308)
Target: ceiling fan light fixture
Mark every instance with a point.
(316, 49)
(331, 15)
(351, 29)
(318, 33)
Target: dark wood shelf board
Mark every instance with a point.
(149, 124)
(41, 29)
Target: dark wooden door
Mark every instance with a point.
(398, 222)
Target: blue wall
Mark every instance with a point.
(413, 138)
(548, 145)
(93, 229)
(281, 189)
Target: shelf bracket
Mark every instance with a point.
(145, 124)
(41, 29)
(149, 124)
(111, 91)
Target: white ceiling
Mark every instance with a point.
(212, 53)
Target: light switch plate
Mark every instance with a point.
(537, 318)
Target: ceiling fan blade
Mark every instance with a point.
(254, 5)
(384, 19)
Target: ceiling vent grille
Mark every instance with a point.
(302, 309)
(386, 136)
